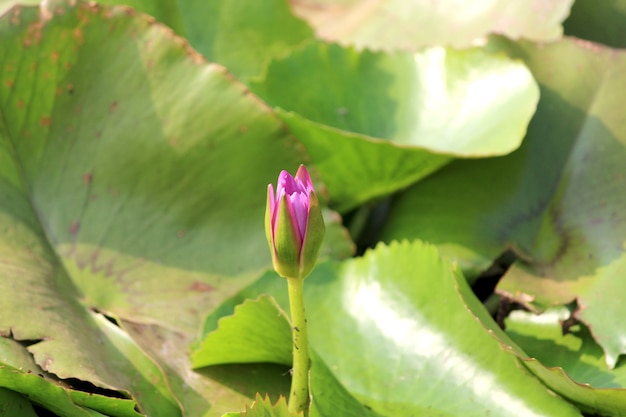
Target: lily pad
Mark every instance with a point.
(120, 202)
(395, 331)
(411, 24)
(412, 114)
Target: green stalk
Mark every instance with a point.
(299, 394)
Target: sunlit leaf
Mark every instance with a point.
(394, 329)
(376, 122)
(411, 24)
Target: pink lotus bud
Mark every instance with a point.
(293, 224)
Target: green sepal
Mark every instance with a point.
(313, 237)
(268, 218)
(286, 248)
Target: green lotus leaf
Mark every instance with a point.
(376, 122)
(124, 217)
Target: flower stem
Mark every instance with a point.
(299, 394)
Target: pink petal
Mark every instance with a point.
(305, 179)
(286, 182)
(298, 204)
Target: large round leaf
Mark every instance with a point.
(375, 122)
(132, 183)
(394, 329)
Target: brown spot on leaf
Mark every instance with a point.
(113, 107)
(87, 177)
(74, 228)
(67, 65)
(180, 233)
(20, 104)
(78, 35)
(243, 129)
(55, 56)
(45, 121)
(15, 17)
(9, 83)
(70, 88)
(33, 33)
(201, 287)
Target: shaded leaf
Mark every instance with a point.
(53, 396)
(598, 21)
(412, 112)
(384, 343)
(14, 404)
(412, 24)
